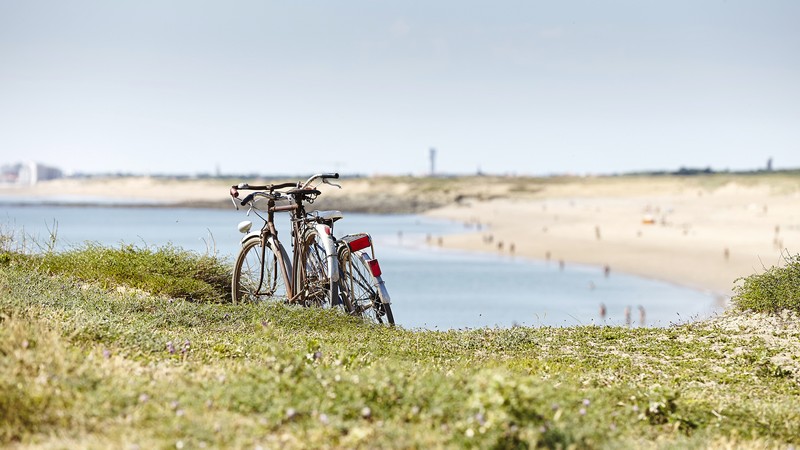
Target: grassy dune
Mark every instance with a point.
(90, 360)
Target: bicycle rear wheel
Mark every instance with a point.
(250, 283)
(360, 290)
(314, 284)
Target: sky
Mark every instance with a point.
(369, 87)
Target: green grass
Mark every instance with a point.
(86, 365)
(166, 270)
(773, 291)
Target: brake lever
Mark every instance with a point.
(234, 194)
(325, 181)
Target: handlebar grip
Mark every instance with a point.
(335, 176)
(248, 199)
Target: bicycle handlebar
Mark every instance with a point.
(298, 188)
(249, 198)
(272, 187)
(266, 187)
(324, 176)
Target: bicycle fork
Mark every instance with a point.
(269, 239)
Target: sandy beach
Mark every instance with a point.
(703, 232)
(701, 235)
(369, 195)
(144, 190)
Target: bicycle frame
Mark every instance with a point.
(290, 267)
(268, 234)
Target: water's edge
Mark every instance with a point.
(432, 288)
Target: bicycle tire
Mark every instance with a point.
(360, 293)
(246, 282)
(314, 284)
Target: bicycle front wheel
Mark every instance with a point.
(257, 273)
(360, 290)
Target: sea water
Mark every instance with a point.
(430, 287)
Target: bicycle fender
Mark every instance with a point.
(252, 234)
(323, 231)
(378, 281)
(385, 299)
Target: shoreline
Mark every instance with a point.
(721, 297)
(352, 206)
(698, 232)
(721, 294)
(361, 195)
(704, 242)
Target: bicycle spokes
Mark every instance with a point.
(320, 272)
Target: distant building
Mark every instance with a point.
(8, 175)
(28, 173)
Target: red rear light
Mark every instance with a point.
(328, 230)
(374, 267)
(359, 244)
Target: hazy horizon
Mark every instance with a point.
(681, 170)
(531, 88)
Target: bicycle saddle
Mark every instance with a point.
(328, 215)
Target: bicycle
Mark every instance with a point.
(323, 271)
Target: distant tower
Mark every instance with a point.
(769, 165)
(433, 160)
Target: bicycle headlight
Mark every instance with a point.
(244, 227)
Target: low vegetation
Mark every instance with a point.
(777, 289)
(167, 271)
(86, 364)
(415, 194)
